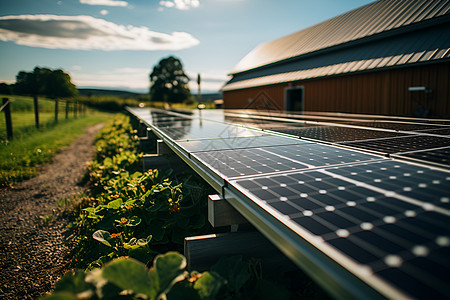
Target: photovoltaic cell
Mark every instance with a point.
(208, 130)
(402, 144)
(238, 143)
(440, 156)
(336, 134)
(388, 216)
(254, 161)
(390, 228)
(441, 131)
(395, 125)
(242, 162)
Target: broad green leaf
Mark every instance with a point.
(74, 282)
(234, 270)
(115, 204)
(104, 237)
(167, 270)
(61, 296)
(156, 229)
(209, 285)
(129, 274)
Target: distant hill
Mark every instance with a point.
(100, 92)
(207, 97)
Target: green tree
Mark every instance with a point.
(168, 82)
(45, 82)
(5, 88)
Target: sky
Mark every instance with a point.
(114, 44)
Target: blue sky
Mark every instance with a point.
(116, 43)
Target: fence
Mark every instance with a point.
(35, 113)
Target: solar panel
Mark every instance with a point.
(440, 131)
(386, 221)
(336, 134)
(238, 143)
(251, 161)
(395, 125)
(440, 156)
(402, 144)
(388, 217)
(207, 130)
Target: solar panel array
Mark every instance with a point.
(419, 139)
(385, 220)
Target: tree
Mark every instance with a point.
(43, 81)
(168, 82)
(5, 88)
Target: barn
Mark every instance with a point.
(390, 57)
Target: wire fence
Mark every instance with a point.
(19, 114)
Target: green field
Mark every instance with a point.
(23, 118)
(20, 157)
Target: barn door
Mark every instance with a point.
(294, 99)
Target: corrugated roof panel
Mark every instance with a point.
(446, 54)
(401, 16)
(383, 62)
(368, 20)
(427, 55)
(405, 58)
(381, 18)
(414, 58)
(394, 60)
(357, 66)
(439, 53)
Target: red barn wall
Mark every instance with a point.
(381, 92)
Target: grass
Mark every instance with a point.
(21, 157)
(22, 114)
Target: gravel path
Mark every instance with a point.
(32, 232)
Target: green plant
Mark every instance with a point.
(125, 278)
(130, 213)
(46, 219)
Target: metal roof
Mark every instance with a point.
(423, 46)
(370, 21)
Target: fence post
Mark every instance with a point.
(75, 109)
(56, 110)
(67, 109)
(7, 109)
(36, 111)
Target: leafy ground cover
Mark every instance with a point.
(21, 157)
(131, 213)
(130, 221)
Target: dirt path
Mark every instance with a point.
(31, 252)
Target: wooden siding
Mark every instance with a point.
(382, 92)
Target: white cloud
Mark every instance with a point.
(87, 33)
(104, 12)
(105, 2)
(132, 78)
(76, 67)
(180, 4)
